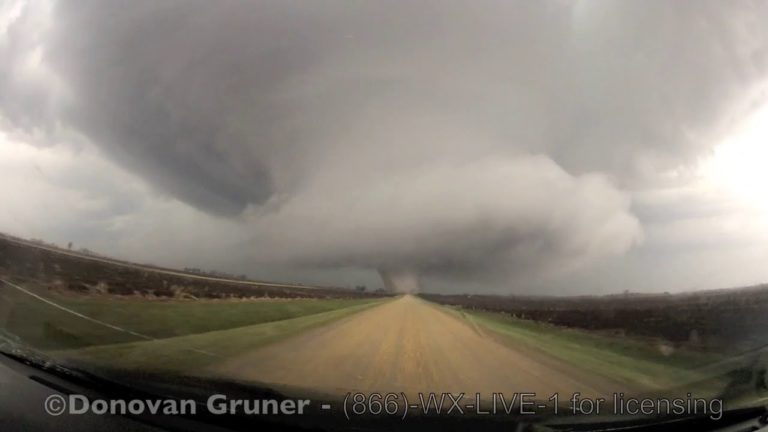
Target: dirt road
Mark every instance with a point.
(407, 345)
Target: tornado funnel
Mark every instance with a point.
(400, 280)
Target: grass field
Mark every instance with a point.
(192, 353)
(635, 362)
(46, 327)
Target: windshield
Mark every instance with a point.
(539, 212)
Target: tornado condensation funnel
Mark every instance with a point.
(400, 280)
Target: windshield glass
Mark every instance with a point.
(527, 211)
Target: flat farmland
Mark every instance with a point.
(97, 312)
(729, 320)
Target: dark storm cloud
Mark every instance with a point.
(335, 116)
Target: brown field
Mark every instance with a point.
(721, 320)
(65, 271)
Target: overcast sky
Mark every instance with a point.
(483, 146)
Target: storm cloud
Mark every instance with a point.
(451, 139)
